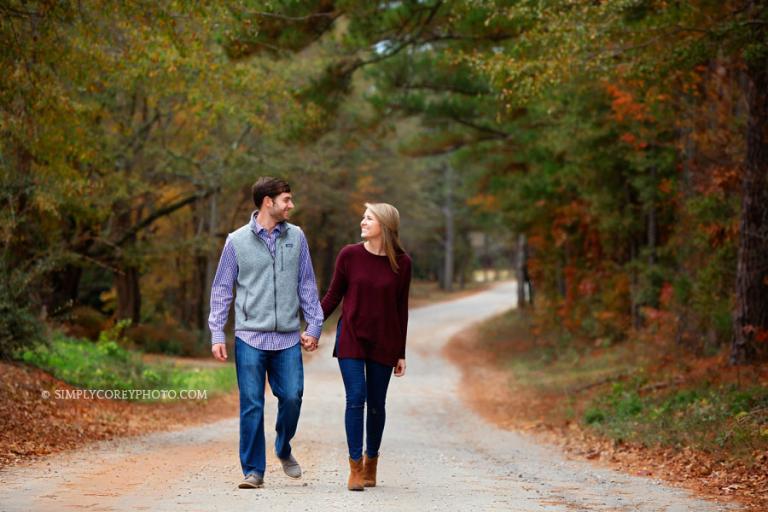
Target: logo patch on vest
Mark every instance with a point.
(288, 245)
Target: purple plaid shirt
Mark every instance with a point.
(222, 295)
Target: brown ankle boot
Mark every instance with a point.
(369, 470)
(356, 475)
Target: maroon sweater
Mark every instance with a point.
(375, 310)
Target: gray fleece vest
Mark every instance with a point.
(266, 293)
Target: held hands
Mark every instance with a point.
(309, 343)
(400, 368)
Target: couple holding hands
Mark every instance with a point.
(268, 264)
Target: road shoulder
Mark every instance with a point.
(492, 391)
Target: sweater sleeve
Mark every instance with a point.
(402, 302)
(338, 286)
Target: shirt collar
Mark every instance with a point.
(258, 228)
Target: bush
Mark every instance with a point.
(166, 339)
(105, 364)
(86, 322)
(594, 415)
(707, 418)
(19, 326)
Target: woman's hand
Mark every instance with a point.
(400, 368)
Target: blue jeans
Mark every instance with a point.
(364, 381)
(285, 371)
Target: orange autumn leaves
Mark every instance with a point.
(627, 110)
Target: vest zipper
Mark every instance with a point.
(274, 287)
(274, 273)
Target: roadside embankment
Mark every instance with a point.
(697, 423)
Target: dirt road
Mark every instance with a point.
(436, 454)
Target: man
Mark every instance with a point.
(268, 263)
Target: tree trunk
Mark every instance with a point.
(637, 321)
(652, 224)
(126, 274)
(182, 294)
(66, 285)
(750, 319)
(199, 268)
(201, 264)
(128, 294)
(329, 262)
(464, 260)
(488, 261)
(562, 285)
(448, 213)
(520, 266)
(211, 261)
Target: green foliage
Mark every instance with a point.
(100, 365)
(167, 339)
(607, 132)
(113, 117)
(18, 323)
(632, 404)
(594, 415)
(106, 365)
(706, 417)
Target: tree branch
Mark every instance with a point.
(486, 129)
(443, 88)
(18, 13)
(492, 38)
(454, 147)
(332, 14)
(162, 212)
(413, 40)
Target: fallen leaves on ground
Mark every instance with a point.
(493, 393)
(32, 425)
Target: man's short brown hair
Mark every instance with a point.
(267, 186)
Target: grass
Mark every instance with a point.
(709, 418)
(631, 392)
(106, 365)
(555, 363)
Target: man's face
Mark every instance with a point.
(280, 207)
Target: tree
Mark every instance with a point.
(117, 117)
(751, 315)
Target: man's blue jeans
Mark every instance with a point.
(285, 371)
(365, 381)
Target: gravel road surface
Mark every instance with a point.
(436, 454)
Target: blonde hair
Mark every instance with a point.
(389, 219)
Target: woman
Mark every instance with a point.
(373, 278)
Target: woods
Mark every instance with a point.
(612, 152)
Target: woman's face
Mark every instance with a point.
(369, 226)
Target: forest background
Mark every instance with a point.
(612, 154)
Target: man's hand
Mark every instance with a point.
(219, 351)
(309, 343)
(400, 368)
